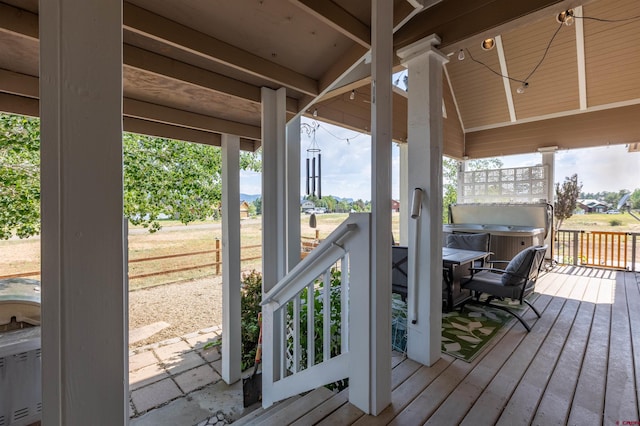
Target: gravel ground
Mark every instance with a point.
(188, 306)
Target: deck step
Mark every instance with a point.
(289, 410)
(250, 419)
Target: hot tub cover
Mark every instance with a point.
(20, 298)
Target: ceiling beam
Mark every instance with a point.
(581, 130)
(580, 58)
(456, 20)
(14, 104)
(156, 27)
(339, 19)
(173, 116)
(23, 87)
(151, 128)
(163, 66)
(18, 21)
(19, 84)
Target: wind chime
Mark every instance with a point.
(314, 162)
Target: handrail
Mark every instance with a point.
(332, 240)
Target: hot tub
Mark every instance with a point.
(513, 227)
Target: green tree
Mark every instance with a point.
(178, 179)
(19, 176)
(566, 199)
(450, 168)
(161, 177)
(635, 199)
(258, 205)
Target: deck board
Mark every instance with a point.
(580, 364)
(588, 400)
(556, 401)
(620, 398)
(468, 391)
(522, 406)
(407, 391)
(489, 406)
(633, 302)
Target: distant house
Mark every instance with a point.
(307, 205)
(244, 210)
(395, 206)
(592, 206)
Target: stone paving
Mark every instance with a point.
(178, 382)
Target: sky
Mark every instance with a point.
(346, 165)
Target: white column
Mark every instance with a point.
(404, 190)
(425, 171)
(231, 318)
(274, 186)
(377, 395)
(274, 235)
(293, 193)
(548, 160)
(84, 290)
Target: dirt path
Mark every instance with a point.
(186, 306)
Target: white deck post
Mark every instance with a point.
(293, 193)
(84, 290)
(425, 171)
(370, 346)
(273, 224)
(404, 191)
(231, 318)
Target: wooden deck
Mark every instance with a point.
(579, 365)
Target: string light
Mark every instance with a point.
(564, 18)
(352, 96)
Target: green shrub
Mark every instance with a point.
(250, 307)
(335, 321)
(615, 222)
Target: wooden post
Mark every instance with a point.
(217, 256)
(231, 317)
(425, 172)
(84, 293)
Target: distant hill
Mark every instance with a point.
(249, 198)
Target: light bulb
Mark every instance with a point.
(522, 88)
(315, 112)
(352, 96)
(461, 55)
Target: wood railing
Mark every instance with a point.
(617, 250)
(297, 357)
(307, 244)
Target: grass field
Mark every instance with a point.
(17, 256)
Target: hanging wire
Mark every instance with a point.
(633, 18)
(350, 138)
(525, 82)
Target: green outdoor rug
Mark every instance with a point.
(464, 334)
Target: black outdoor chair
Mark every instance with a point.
(516, 281)
(399, 258)
(475, 242)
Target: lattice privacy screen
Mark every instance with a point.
(516, 185)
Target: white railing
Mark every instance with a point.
(306, 317)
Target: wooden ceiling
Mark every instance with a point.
(193, 69)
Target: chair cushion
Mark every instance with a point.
(477, 242)
(519, 266)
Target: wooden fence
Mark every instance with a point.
(216, 252)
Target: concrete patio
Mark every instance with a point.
(178, 382)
